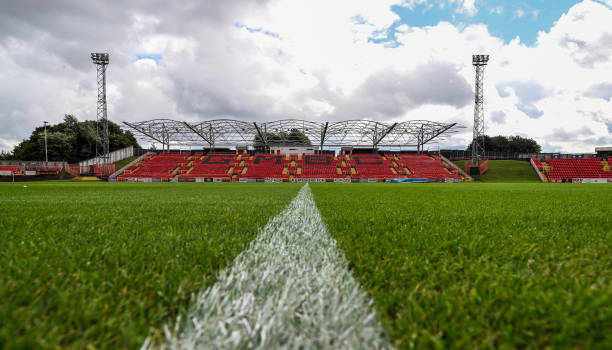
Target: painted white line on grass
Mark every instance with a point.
(291, 289)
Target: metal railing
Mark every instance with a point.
(26, 164)
(459, 154)
(113, 157)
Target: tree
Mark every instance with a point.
(499, 144)
(523, 145)
(4, 155)
(512, 144)
(70, 141)
(295, 137)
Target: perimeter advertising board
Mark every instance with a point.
(407, 180)
(307, 180)
(594, 181)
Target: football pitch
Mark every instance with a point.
(475, 265)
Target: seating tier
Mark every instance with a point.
(157, 166)
(323, 166)
(576, 168)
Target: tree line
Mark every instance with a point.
(70, 141)
(510, 144)
(294, 137)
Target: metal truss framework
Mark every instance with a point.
(102, 142)
(479, 62)
(222, 133)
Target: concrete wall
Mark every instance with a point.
(294, 149)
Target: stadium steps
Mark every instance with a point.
(543, 176)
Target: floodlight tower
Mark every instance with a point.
(102, 143)
(479, 62)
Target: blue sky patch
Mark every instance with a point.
(257, 30)
(505, 19)
(151, 56)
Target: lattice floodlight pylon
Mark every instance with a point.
(223, 133)
(479, 62)
(102, 141)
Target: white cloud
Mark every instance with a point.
(606, 2)
(497, 10)
(412, 3)
(467, 7)
(319, 64)
(519, 13)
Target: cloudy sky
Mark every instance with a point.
(549, 77)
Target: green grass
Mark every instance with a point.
(509, 171)
(479, 265)
(120, 164)
(476, 265)
(104, 265)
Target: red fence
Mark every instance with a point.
(483, 166)
(92, 170)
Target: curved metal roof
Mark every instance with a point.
(231, 132)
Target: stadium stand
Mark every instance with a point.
(208, 166)
(324, 166)
(31, 171)
(161, 166)
(265, 166)
(371, 166)
(558, 170)
(426, 166)
(280, 167)
(538, 164)
(11, 169)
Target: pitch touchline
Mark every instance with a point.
(290, 289)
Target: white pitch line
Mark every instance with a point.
(291, 289)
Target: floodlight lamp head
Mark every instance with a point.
(99, 58)
(480, 60)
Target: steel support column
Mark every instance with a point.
(102, 142)
(479, 62)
